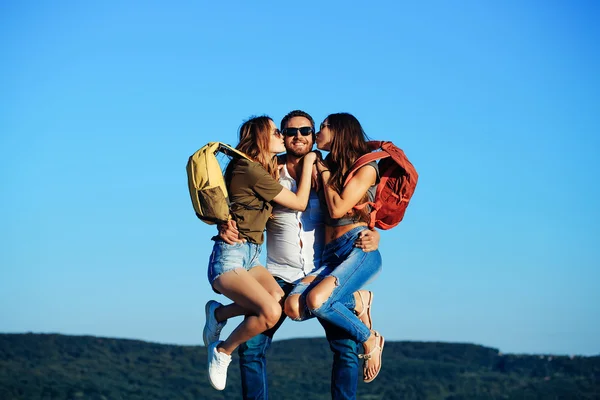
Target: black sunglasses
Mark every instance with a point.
(304, 131)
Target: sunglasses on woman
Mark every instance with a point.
(304, 131)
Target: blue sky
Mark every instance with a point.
(497, 104)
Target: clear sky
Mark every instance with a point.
(497, 104)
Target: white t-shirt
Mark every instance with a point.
(295, 239)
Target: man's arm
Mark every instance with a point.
(229, 233)
(368, 240)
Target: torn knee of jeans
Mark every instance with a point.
(318, 303)
(318, 309)
(309, 279)
(305, 314)
(297, 319)
(292, 300)
(296, 316)
(315, 301)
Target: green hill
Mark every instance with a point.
(57, 367)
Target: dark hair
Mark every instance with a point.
(298, 113)
(255, 136)
(348, 143)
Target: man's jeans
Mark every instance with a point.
(344, 373)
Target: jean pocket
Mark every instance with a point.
(236, 245)
(344, 249)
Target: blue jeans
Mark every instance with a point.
(344, 373)
(352, 269)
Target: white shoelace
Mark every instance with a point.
(222, 361)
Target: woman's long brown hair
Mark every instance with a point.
(348, 143)
(255, 136)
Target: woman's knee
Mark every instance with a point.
(271, 314)
(292, 308)
(320, 294)
(277, 294)
(315, 299)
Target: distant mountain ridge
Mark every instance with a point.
(53, 366)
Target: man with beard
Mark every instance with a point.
(295, 240)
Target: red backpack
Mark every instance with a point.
(398, 180)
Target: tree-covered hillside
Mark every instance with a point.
(57, 367)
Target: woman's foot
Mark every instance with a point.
(363, 308)
(212, 327)
(217, 366)
(373, 350)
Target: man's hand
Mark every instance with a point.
(229, 233)
(368, 240)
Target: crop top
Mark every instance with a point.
(351, 218)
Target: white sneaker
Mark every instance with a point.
(212, 328)
(217, 366)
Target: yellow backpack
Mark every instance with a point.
(206, 183)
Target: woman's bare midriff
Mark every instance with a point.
(334, 232)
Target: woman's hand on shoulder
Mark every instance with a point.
(315, 181)
(321, 164)
(310, 158)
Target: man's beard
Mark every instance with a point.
(298, 154)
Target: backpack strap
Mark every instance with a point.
(373, 214)
(367, 158)
(235, 153)
(231, 151)
(375, 155)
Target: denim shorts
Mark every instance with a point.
(353, 262)
(227, 257)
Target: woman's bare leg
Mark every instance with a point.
(266, 280)
(373, 365)
(363, 300)
(225, 312)
(262, 308)
(232, 310)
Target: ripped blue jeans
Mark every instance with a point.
(352, 269)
